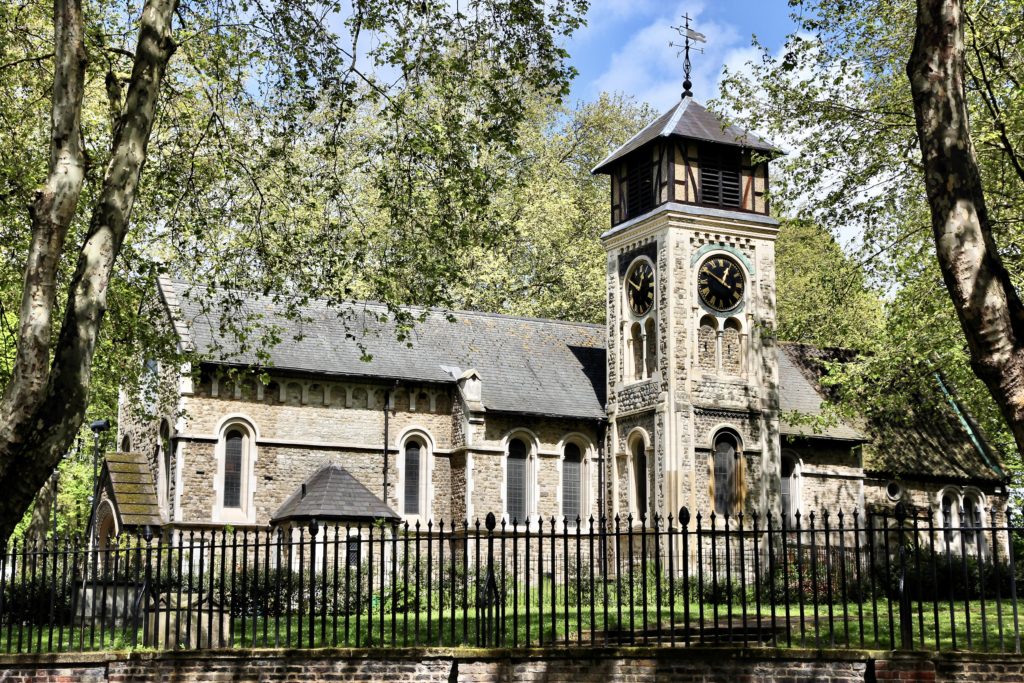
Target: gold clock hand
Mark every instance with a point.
(724, 283)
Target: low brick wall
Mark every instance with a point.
(626, 665)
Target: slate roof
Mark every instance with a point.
(800, 392)
(526, 365)
(690, 119)
(554, 368)
(931, 436)
(132, 488)
(332, 494)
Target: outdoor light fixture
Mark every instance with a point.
(98, 426)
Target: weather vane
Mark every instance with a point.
(689, 35)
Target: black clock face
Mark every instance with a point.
(720, 283)
(640, 288)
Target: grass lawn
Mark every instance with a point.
(872, 625)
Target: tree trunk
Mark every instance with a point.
(986, 302)
(44, 403)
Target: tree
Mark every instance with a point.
(986, 301)
(250, 137)
(821, 294)
(836, 96)
(547, 260)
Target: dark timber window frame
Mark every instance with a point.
(640, 480)
(572, 482)
(234, 465)
(725, 454)
(413, 474)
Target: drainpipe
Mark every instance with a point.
(602, 432)
(601, 435)
(387, 437)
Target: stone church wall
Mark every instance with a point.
(547, 437)
(311, 428)
(831, 477)
(924, 496)
(317, 421)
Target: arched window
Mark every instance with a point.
(236, 460)
(707, 343)
(572, 488)
(126, 444)
(637, 342)
(233, 445)
(971, 522)
(947, 517)
(726, 477)
(790, 490)
(516, 479)
(106, 531)
(412, 473)
(640, 478)
(651, 351)
(732, 355)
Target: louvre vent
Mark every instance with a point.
(640, 184)
(720, 176)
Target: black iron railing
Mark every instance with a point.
(890, 581)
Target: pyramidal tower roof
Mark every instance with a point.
(333, 494)
(690, 119)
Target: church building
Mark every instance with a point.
(683, 398)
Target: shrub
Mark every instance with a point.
(27, 599)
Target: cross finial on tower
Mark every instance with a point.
(688, 35)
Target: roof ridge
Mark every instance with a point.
(611, 155)
(676, 115)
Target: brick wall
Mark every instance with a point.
(490, 666)
(632, 666)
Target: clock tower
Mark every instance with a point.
(692, 371)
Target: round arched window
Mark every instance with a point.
(572, 470)
(727, 474)
(515, 480)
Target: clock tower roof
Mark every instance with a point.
(690, 119)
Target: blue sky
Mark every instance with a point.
(625, 46)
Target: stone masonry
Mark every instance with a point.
(487, 666)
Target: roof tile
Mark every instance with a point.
(332, 493)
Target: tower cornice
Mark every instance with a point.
(685, 216)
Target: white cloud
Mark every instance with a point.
(604, 15)
(648, 68)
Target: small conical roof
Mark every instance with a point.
(690, 119)
(333, 494)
